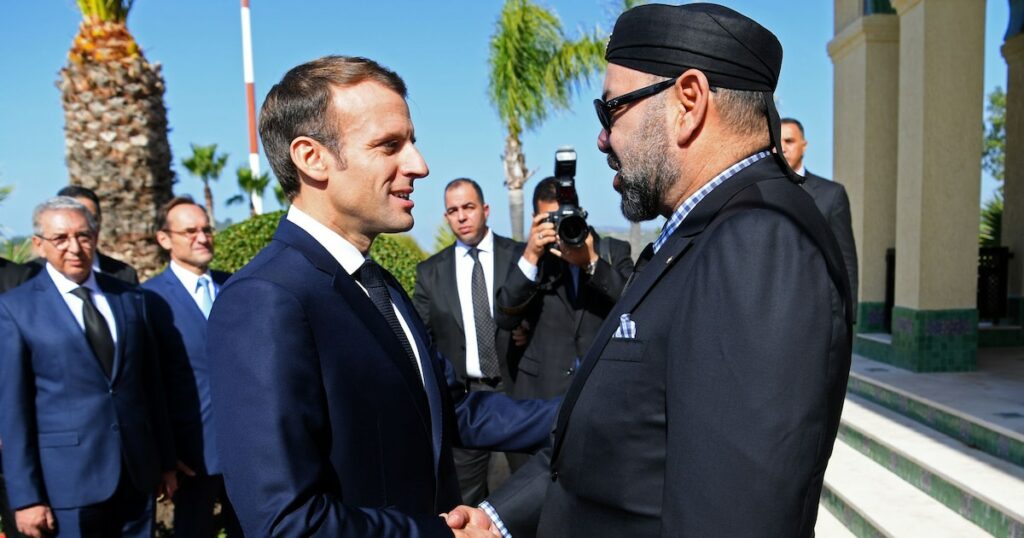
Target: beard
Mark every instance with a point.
(645, 171)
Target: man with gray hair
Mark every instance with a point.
(86, 442)
(709, 400)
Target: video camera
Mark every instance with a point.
(570, 221)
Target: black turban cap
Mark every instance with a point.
(732, 50)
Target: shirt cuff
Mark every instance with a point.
(493, 514)
(529, 270)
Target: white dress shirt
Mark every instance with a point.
(65, 286)
(350, 259)
(801, 171)
(464, 280)
(191, 282)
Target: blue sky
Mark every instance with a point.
(440, 48)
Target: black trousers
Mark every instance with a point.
(193, 508)
(479, 470)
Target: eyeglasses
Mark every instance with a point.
(605, 109)
(63, 241)
(192, 233)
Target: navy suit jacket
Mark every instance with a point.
(65, 426)
(180, 330)
(324, 427)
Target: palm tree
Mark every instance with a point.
(207, 166)
(115, 129)
(534, 69)
(251, 187)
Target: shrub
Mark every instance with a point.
(240, 242)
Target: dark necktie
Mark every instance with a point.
(97, 332)
(371, 276)
(485, 327)
(645, 257)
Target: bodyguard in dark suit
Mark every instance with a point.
(461, 320)
(335, 415)
(101, 262)
(180, 299)
(11, 275)
(86, 442)
(829, 196)
(563, 294)
(710, 398)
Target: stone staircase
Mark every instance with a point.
(906, 465)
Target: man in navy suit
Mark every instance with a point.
(179, 301)
(335, 414)
(86, 442)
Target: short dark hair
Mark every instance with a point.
(300, 105)
(161, 214)
(794, 121)
(76, 191)
(545, 191)
(465, 181)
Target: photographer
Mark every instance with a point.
(562, 292)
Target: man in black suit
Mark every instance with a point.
(829, 196)
(102, 263)
(710, 399)
(11, 275)
(454, 296)
(562, 293)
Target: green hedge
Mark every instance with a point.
(237, 244)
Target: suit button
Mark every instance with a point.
(115, 428)
(570, 371)
(112, 391)
(554, 476)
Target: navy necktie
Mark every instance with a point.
(97, 332)
(371, 276)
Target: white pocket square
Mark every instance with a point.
(627, 328)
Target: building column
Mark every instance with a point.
(1013, 184)
(865, 56)
(935, 319)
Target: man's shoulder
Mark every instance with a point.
(438, 257)
(22, 293)
(501, 241)
(113, 285)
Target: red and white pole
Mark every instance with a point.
(250, 103)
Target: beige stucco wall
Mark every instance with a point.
(846, 12)
(938, 165)
(1013, 202)
(865, 55)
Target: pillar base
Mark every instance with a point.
(934, 340)
(871, 318)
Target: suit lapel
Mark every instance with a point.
(362, 307)
(118, 307)
(177, 292)
(52, 301)
(448, 267)
(675, 247)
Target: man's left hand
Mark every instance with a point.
(168, 485)
(581, 256)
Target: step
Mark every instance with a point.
(972, 430)
(875, 502)
(982, 488)
(828, 526)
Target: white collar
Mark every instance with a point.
(346, 253)
(486, 245)
(188, 279)
(802, 171)
(66, 285)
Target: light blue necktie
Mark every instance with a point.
(205, 300)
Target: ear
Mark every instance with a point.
(164, 239)
(689, 99)
(37, 246)
(311, 158)
(487, 212)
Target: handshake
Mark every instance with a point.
(468, 521)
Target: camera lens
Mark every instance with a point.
(572, 230)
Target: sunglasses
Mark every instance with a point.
(606, 109)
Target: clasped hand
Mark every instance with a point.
(468, 521)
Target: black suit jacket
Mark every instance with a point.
(562, 322)
(108, 266)
(13, 274)
(436, 298)
(718, 417)
(834, 204)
